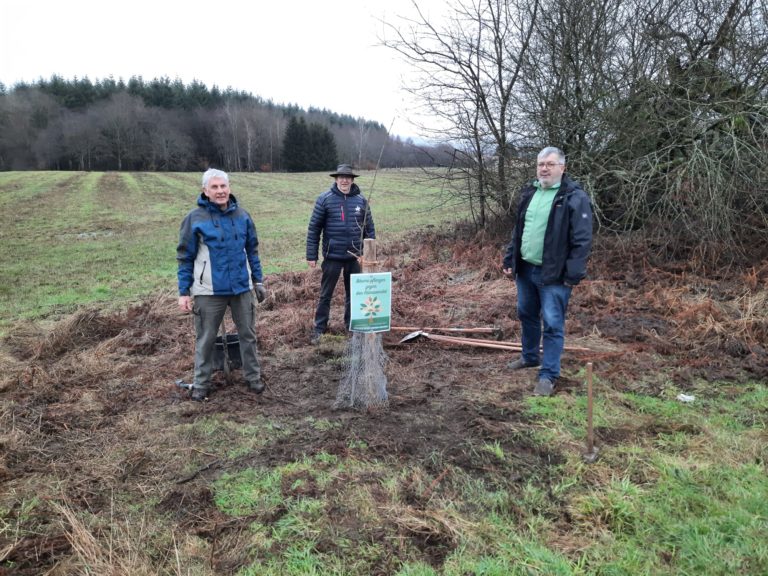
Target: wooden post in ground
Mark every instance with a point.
(369, 255)
(590, 433)
(369, 265)
(592, 451)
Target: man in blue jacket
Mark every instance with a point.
(547, 257)
(343, 218)
(219, 266)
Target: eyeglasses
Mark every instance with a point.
(549, 165)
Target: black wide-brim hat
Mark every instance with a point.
(344, 170)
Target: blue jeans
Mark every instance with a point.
(538, 305)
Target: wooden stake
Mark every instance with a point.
(369, 255)
(590, 456)
(590, 436)
(369, 265)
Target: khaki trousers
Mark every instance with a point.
(209, 312)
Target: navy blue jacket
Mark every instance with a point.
(218, 251)
(343, 220)
(568, 239)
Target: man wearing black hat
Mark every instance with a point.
(343, 218)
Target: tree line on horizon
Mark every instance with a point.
(166, 125)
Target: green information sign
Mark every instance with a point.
(371, 302)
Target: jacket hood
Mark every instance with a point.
(204, 202)
(568, 184)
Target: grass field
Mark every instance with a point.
(79, 237)
(108, 468)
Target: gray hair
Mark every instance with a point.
(551, 150)
(213, 173)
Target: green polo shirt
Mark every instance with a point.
(536, 218)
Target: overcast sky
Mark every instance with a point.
(311, 53)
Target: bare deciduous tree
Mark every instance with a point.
(468, 67)
(169, 147)
(120, 121)
(660, 106)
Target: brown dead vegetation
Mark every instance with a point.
(88, 406)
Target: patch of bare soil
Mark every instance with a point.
(88, 407)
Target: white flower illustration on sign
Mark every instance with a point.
(371, 307)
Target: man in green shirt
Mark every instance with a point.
(547, 257)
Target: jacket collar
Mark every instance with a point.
(204, 202)
(566, 185)
(353, 191)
